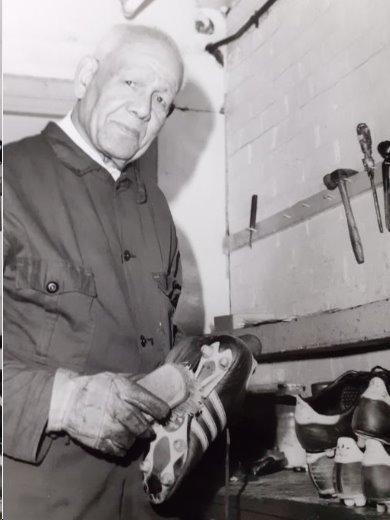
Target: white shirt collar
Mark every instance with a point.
(66, 124)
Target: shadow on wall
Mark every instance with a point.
(184, 141)
(190, 313)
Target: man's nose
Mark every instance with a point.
(142, 107)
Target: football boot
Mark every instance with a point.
(221, 367)
(321, 419)
(376, 475)
(371, 417)
(348, 477)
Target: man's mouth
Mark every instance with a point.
(127, 129)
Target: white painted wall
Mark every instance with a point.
(296, 89)
(48, 38)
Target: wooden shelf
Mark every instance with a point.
(285, 495)
(362, 328)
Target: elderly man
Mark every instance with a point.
(92, 277)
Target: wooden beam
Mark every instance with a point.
(34, 96)
(362, 328)
(301, 211)
(324, 352)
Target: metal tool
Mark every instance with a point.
(384, 151)
(252, 219)
(364, 136)
(337, 179)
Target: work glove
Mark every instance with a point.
(105, 411)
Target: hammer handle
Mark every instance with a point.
(386, 191)
(376, 204)
(352, 227)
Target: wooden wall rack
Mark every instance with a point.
(301, 211)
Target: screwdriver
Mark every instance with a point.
(364, 136)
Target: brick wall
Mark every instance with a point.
(296, 88)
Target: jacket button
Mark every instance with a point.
(52, 287)
(145, 340)
(127, 255)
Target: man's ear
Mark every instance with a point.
(86, 70)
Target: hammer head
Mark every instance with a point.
(332, 180)
(384, 150)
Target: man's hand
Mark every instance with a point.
(105, 411)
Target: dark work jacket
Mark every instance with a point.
(91, 279)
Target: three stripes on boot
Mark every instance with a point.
(210, 422)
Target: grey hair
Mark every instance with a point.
(123, 34)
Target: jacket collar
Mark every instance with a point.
(66, 124)
(81, 163)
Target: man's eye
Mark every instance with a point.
(161, 100)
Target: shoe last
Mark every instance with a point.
(376, 475)
(347, 475)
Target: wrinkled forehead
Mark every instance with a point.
(148, 53)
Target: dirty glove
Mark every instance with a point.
(103, 411)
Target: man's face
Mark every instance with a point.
(128, 98)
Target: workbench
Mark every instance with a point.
(285, 495)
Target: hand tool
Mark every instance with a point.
(252, 220)
(364, 136)
(384, 151)
(337, 179)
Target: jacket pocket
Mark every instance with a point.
(61, 296)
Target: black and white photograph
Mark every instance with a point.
(195, 234)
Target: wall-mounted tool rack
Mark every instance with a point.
(301, 211)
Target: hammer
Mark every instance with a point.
(364, 136)
(337, 179)
(384, 151)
